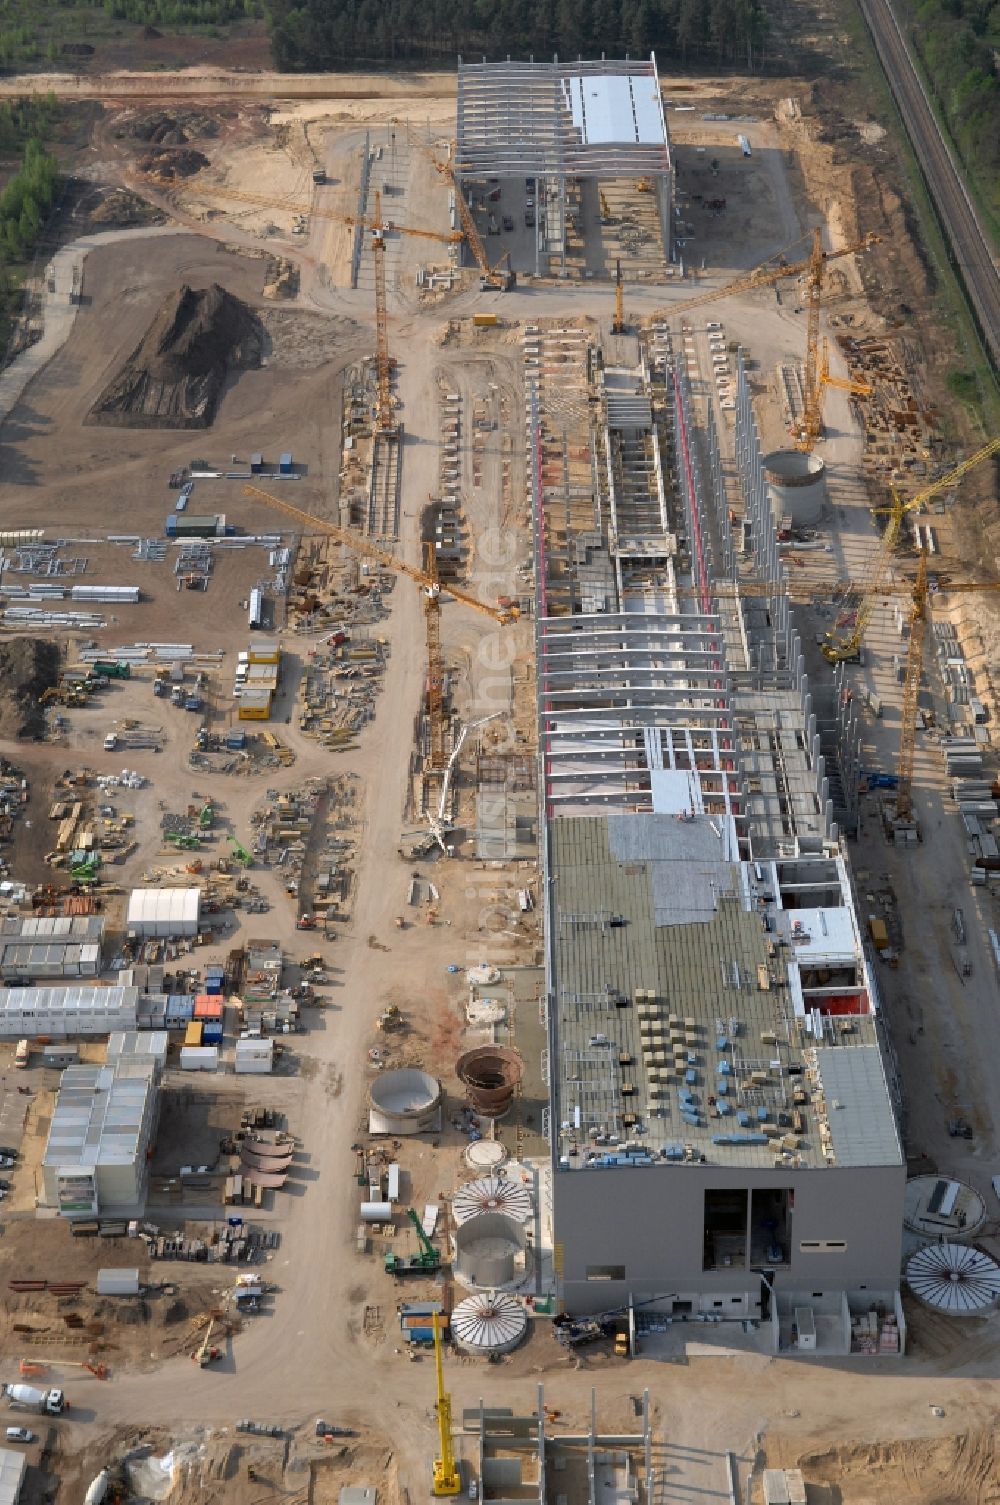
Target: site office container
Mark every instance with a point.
(195, 1033)
(199, 1058)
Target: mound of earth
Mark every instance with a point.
(28, 667)
(171, 162)
(174, 377)
(161, 128)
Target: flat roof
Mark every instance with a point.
(98, 1116)
(12, 1467)
(585, 119)
(116, 1003)
(672, 1004)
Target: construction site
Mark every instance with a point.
(503, 653)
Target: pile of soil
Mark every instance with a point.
(28, 667)
(174, 377)
(162, 129)
(171, 162)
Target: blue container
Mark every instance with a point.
(211, 1033)
(180, 1009)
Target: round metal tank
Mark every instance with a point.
(490, 1074)
(488, 1323)
(404, 1102)
(797, 483)
(490, 1251)
(485, 1154)
(497, 1193)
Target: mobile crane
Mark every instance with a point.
(426, 1260)
(499, 278)
(618, 323)
(429, 583)
(446, 1479)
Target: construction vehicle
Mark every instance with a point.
(187, 841)
(499, 278)
(428, 581)
(206, 815)
(207, 1353)
(425, 1261)
(48, 1402)
(618, 323)
(241, 853)
(446, 1479)
(384, 414)
(112, 669)
(846, 646)
(813, 268)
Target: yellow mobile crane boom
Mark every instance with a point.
(618, 326)
(500, 278)
(383, 364)
(446, 1478)
(428, 581)
(847, 645)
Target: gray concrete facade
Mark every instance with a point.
(650, 1220)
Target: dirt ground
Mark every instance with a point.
(330, 1343)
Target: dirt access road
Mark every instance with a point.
(193, 83)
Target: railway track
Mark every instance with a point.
(972, 253)
(969, 243)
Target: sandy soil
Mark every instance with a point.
(315, 1354)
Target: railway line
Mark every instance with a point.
(969, 243)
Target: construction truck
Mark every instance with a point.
(426, 1260)
(111, 669)
(48, 1402)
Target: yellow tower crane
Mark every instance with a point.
(813, 268)
(427, 579)
(847, 645)
(446, 1478)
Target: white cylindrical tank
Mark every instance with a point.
(376, 1212)
(488, 1323)
(797, 485)
(497, 1193)
(404, 1102)
(490, 1251)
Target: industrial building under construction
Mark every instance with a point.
(723, 1114)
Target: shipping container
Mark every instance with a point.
(123, 1282)
(879, 933)
(200, 1058)
(194, 1035)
